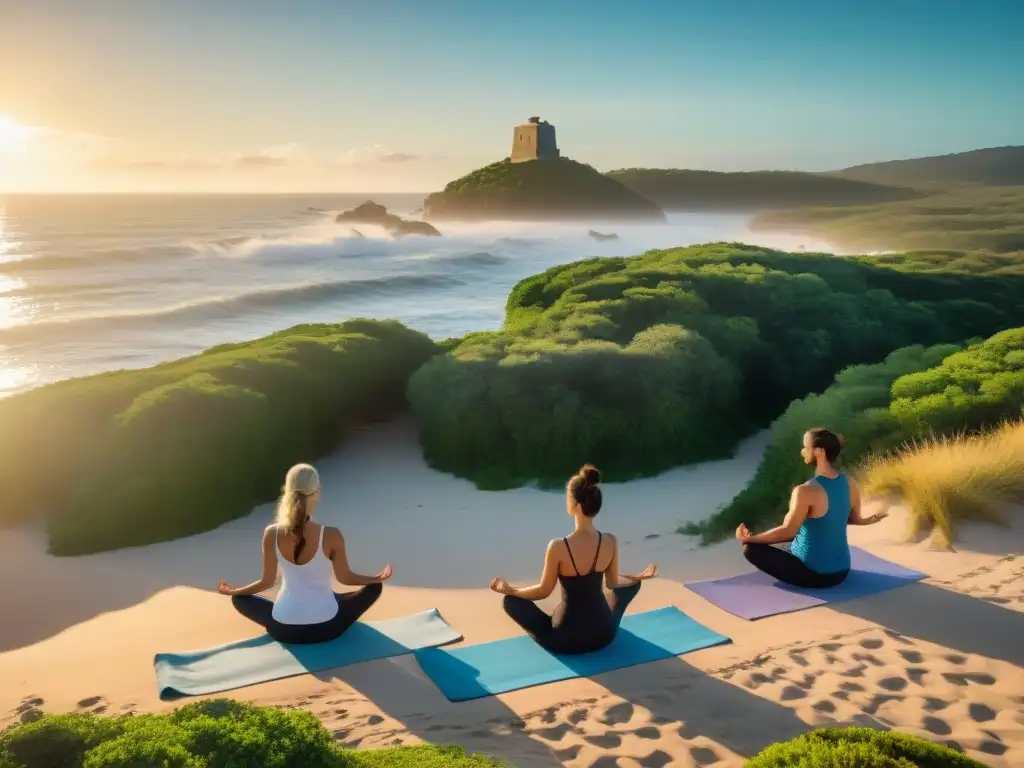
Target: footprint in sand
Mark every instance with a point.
(894, 684)
(618, 714)
(31, 703)
(568, 754)
(916, 674)
(852, 687)
(609, 740)
(962, 680)
(577, 716)
(554, 733)
(936, 725)
(648, 732)
(871, 643)
(657, 759)
(931, 704)
(792, 692)
(914, 657)
(992, 747)
(955, 658)
(981, 713)
(374, 720)
(824, 706)
(703, 756)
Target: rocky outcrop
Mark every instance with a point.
(556, 189)
(373, 213)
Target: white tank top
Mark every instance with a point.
(306, 596)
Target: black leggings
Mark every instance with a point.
(351, 605)
(528, 615)
(787, 567)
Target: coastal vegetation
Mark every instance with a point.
(219, 733)
(223, 733)
(916, 394)
(860, 748)
(558, 188)
(688, 190)
(644, 363)
(133, 457)
(945, 481)
(972, 219)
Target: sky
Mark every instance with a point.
(405, 95)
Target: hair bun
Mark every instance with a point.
(590, 474)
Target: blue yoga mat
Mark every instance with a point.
(757, 595)
(475, 671)
(247, 662)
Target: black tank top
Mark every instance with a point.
(584, 617)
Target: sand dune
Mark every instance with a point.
(941, 659)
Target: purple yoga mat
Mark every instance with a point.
(756, 595)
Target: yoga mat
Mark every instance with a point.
(475, 671)
(246, 662)
(756, 595)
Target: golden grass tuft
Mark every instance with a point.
(947, 481)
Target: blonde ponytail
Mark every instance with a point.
(301, 482)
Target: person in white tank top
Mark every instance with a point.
(307, 555)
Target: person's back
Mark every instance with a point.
(584, 616)
(306, 595)
(821, 542)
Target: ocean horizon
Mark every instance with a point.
(92, 283)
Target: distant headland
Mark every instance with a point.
(535, 182)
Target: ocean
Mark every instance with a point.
(93, 283)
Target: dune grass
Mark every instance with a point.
(946, 481)
(988, 219)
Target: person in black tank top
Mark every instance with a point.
(585, 620)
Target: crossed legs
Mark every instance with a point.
(351, 606)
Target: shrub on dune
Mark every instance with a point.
(860, 748)
(573, 375)
(133, 457)
(510, 412)
(210, 734)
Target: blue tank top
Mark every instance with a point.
(821, 542)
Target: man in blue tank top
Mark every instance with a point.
(819, 511)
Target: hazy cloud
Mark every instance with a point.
(375, 154)
(271, 157)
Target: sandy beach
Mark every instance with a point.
(940, 659)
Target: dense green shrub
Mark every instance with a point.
(915, 393)
(860, 748)
(645, 363)
(212, 734)
(132, 457)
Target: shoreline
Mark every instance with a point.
(942, 651)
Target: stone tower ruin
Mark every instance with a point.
(534, 140)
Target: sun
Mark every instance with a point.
(13, 136)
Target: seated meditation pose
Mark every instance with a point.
(585, 620)
(819, 511)
(307, 609)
